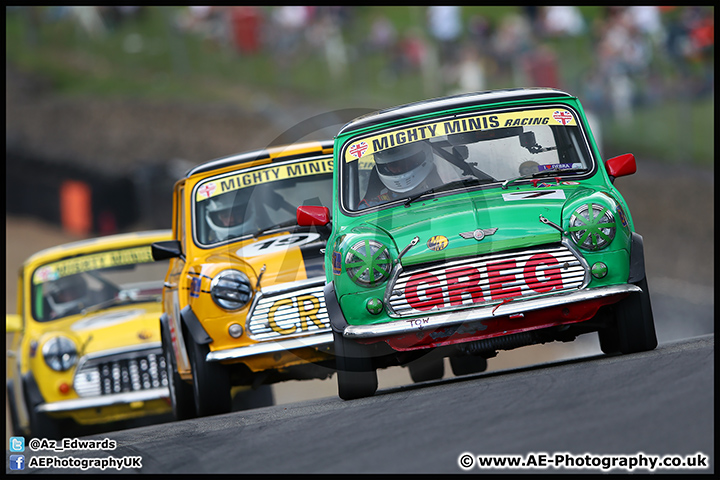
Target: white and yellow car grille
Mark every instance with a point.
(129, 371)
(289, 310)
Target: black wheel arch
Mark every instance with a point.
(31, 391)
(337, 319)
(194, 327)
(637, 259)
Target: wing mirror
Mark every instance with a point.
(166, 249)
(311, 215)
(621, 166)
(13, 323)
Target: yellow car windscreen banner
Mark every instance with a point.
(549, 116)
(96, 261)
(258, 176)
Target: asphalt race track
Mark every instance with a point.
(644, 405)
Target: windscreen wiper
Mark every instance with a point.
(115, 301)
(288, 223)
(544, 173)
(111, 302)
(415, 197)
(466, 182)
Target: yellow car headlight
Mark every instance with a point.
(60, 353)
(231, 290)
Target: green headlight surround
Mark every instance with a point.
(592, 226)
(368, 263)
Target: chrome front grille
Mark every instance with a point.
(485, 280)
(124, 372)
(289, 310)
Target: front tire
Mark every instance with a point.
(356, 376)
(44, 426)
(211, 382)
(634, 327)
(426, 368)
(182, 397)
(467, 365)
(14, 422)
(249, 398)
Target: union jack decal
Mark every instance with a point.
(358, 149)
(562, 116)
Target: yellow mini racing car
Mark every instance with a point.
(243, 297)
(86, 350)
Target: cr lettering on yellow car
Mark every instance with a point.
(86, 350)
(243, 299)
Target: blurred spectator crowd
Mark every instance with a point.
(638, 53)
(641, 53)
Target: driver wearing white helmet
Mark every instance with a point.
(228, 216)
(66, 295)
(403, 171)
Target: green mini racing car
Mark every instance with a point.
(475, 223)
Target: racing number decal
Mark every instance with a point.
(304, 309)
(545, 195)
(276, 244)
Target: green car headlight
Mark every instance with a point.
(592, 226)
(60, 353)
(230, 289)
(368, 263)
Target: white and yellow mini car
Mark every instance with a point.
(243, 298)
(86, 351)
